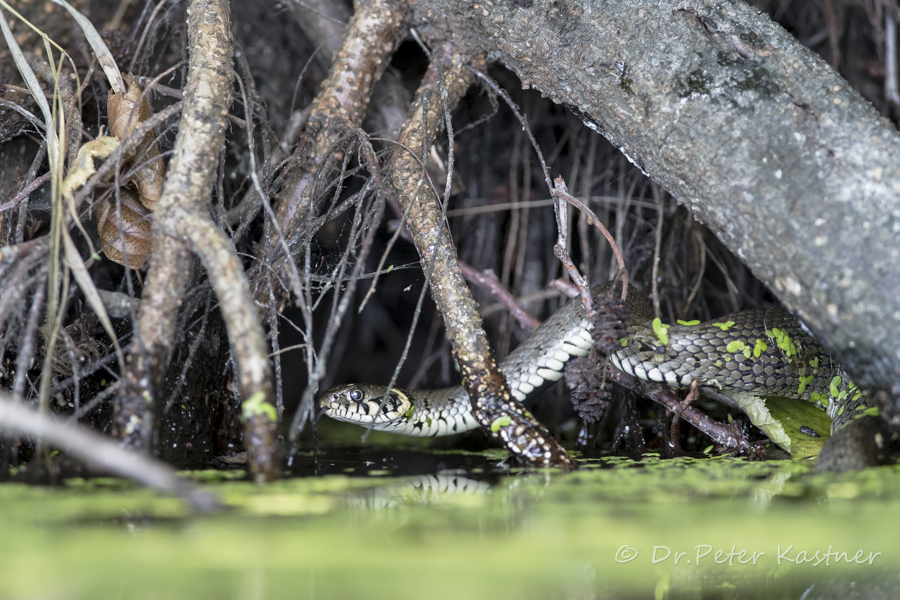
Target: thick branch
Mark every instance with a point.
(182, 221)
(374, 32)
(493, 406)
(791, 168)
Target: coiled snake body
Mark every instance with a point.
(744, 355)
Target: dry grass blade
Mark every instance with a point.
(104, 56)
(54, 122)
(80, 272)
(26, 72)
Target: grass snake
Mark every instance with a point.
(745, 355)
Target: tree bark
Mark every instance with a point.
(792, 169)
(182, 223)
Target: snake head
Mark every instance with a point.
(366, 405)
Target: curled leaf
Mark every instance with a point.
(134, 227)
(127, 111)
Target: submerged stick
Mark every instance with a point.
(102, 453)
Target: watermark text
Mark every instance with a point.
(706, 554)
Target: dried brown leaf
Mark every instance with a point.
(127, 111)
(135, 233)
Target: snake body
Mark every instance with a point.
(755, 353)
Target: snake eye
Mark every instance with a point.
(356, 395)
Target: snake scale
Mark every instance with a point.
(753, 353)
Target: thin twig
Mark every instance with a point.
(524, 122)
(654, 271)
(28, 339)
(488, 279)
(561, 192)
(559, 250)
(26, 192)
(726, 436)
(692, 395)
(368, 228)
(891, 88)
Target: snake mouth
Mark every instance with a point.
(365, 404)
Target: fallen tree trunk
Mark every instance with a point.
(792, 169)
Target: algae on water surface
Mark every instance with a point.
(614, 529)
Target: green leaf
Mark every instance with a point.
(735, 346)
(759, 348)
(661, 331)
(256, 406)
(835, 385)
(804, 381)
(500, 422)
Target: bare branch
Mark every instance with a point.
(499, 414)
(374, 32)
(180, 222)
